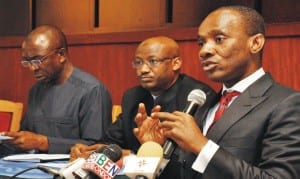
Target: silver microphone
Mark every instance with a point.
(195, 99)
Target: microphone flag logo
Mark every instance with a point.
(101, 165)
(142, 163)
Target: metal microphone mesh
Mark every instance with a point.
(112, 151)
(197, 96)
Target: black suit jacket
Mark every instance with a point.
(258, 135)
(121, 132)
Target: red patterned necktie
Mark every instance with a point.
(223, 104)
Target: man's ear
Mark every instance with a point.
(256, 43)
(177, 61)
(61, 54)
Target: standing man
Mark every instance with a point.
(157, 63)
(258, 135)
(66, 105)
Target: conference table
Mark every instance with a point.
(10, 168)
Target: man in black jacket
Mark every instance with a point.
(157, 63)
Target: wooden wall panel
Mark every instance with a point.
(71, 16)
(9, 77)
(116, 15)
(275, 11)
(14, 79)
(282, 59)
(15, 17)
(189, 12)
(281, 54)
(109, 56)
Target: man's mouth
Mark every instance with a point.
(39, 77)
(208, 65)
(145, 78)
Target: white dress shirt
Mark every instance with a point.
(210, 147)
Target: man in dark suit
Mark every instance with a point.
(157, 63)
(258, 136)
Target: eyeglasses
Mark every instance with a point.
(37, 60)
(151, 63)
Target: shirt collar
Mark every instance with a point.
(242, 85)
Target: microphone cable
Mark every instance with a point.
(23, 171)
(46, 170)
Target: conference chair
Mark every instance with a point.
(10, 115)
(116, 110)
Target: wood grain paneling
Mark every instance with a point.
(116, 15)
(282, 59)
(15, 17)
(71, 16)
(275, 11)
(108, 57)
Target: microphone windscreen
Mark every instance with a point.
(197, 96)
(146, 163)
(150, 149)
(112, 151)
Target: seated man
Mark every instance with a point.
(157, 63)
(65, 106)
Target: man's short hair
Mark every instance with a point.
(253, 21)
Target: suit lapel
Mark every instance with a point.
(241, 106)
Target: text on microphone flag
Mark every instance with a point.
(142, 163)
(101, 165)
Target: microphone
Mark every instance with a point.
(77, 168)
(48, 170)
(67, 171)
(195, 99)
(103, 163)
(145, 164)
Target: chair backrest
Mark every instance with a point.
(116, 110)
(10, 115)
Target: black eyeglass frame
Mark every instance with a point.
(151, 62)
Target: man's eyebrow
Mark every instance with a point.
(213, 33)
(217, 32)
(30, 58)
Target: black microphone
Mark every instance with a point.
(101, 163)
(195, 99)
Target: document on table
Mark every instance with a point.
(37, 157)
(3, 137)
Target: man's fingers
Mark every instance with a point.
(139, 119)
(156, 108)
(135, 131)
(142, 108)
(12, 134)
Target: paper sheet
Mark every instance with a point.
(37, 157)
(2, 137)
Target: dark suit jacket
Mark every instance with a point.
(121, 132)
(258, 135)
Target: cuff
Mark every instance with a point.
(205, 155)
